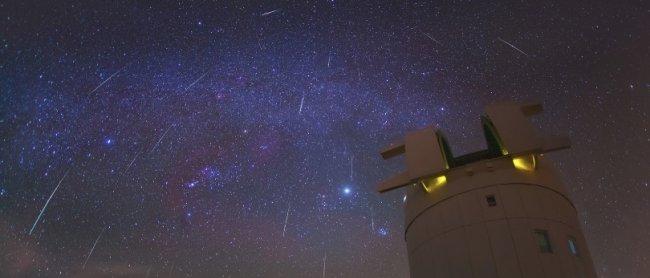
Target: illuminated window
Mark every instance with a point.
(491, 200)
(573, 246)
(543, 241)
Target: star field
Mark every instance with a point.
(198, 138)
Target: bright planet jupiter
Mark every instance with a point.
(206, 139)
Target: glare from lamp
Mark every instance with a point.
(525, 162)
(432, 183)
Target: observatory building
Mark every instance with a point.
(499, 212)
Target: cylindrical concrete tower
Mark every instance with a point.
(500, 212)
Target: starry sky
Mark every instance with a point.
(241, 140)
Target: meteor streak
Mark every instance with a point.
(93, 248)
(195, 81)
(286, 218)
(271, 12)
(47, 202)
(134, 158)
(372, 220)
(324, 260)
(106, 80)
(431, 38)
(514, 47)
(351, 168)
(160, 139)
(302, 102)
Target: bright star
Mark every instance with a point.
(347, 190)
(109, 141)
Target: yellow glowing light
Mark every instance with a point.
(430, 184)
(525, 162)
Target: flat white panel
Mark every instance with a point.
(526, 247)
(480, 252)
(441, 264)
(530, 198)
(457, 254)
(511, 201)
(470, 208)
(503, 249)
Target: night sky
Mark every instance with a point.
(196, 138)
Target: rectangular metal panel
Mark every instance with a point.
(434, 220)
(393, 150)
(515, 130)
(441, 264)
(423, 154)
(503, 249)
(427, 259)
(532, 205)
(565, 212)
(470, 208)
(450, 211)
(413, 261)
(527, 249)
(480, 252)
(512, 204)
(546, 198)
(457, 254)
